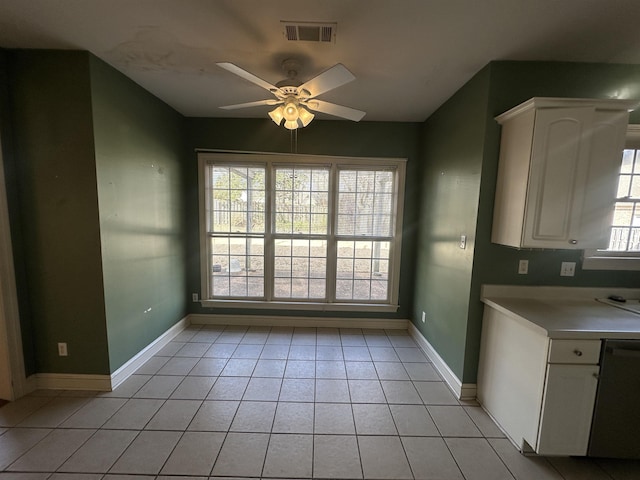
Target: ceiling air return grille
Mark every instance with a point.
(310, 32)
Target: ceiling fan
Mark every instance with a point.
(294, 99)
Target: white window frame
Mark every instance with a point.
(615, 260)
(270, 161)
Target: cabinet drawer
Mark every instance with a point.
(574, 351)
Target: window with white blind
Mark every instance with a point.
(304, 231)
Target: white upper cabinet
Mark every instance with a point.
(558, 172)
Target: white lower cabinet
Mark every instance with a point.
(540, 391)
(567, 409)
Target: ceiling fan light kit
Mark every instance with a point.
(294, 100)
(294, 114)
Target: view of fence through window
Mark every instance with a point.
(625, 233)
(295, 248)
(237, 223)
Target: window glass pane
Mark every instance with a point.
(627, 161)
(623, 186)
(634, 241)
(300, 268)
(362, 270)
(635, 187)
(237, 199)
(299, 193)
(365, 203)
(237, 267)
(619, 239)
(622, 214)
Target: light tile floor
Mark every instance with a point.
(279, 403)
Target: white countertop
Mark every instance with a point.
(566, 313)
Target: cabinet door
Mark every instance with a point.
(558, 175)
(567, 409)
(607, 143)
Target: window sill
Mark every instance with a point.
(611, 263)
(303, 306)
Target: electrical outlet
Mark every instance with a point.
(424, 317)
(568, 269)
(463, 242)
(194, 297)
(523, 267)
(62, 349)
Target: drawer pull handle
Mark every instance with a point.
(573, 241)
(577, 352)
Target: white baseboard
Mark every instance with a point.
(62, 381)
(72, 381)
(279, 321)
(464, 391)
(121, 374)
(102, 383)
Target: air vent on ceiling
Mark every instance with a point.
(310, 32)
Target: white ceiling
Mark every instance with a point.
(408, 56)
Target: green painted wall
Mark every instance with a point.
(370, 139)
(96, 200)
(15, 220)
(104, 200)
(511, 84)
(139, 151)
(501, 85)
(57, 204)
(452, 142)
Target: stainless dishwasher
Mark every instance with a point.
(615, 431)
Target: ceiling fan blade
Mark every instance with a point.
(328, 80)
(336, 110)
(248, 76)
(251, 104)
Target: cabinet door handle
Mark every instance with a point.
(596, 375)
(577, 352)
(573, 241)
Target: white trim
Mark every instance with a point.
(67, 381)
(103, 383)
(464, 391)
(126, 370)
(303, 306)
(280, 321)
(600, 260)
(552, 102)
(240, 155)
(72, 381)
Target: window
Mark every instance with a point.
(623, 252)
(304, 231)
(625, 231)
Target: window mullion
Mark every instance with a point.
(269, 224)
(332, 247)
